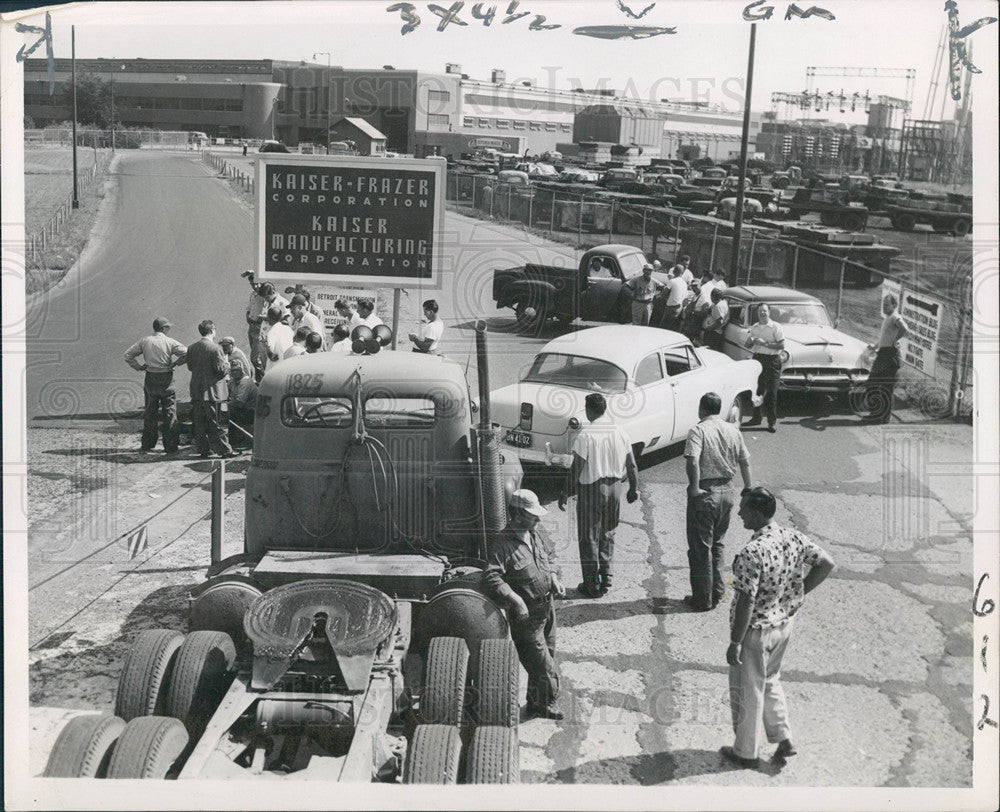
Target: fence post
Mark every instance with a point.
(493, 195)
(642, 239)
(611, 221)
(218, 495)
(531, 198)
(840, 287)
(711, 257)
(753, 245)
(677, 237)
(510, 199)
(956, 389)
(795, 265)
(552, 213)
(579, 222)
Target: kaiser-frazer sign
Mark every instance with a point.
(331, 219)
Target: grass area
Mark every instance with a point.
(48, 185)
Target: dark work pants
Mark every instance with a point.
(242, 417)
(597, 510)
(767, 385)
(161, 402)
(882, 383)
(535, 640)
(671, 317)
(714, 341)
(707, 523)
(206, 423)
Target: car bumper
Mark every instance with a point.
(822, 383)
(537, 456)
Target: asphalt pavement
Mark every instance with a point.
(879, 671)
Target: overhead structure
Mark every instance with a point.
(819, 101)
(909, 74)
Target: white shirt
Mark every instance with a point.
(307, 319)
(343, 346)
(295, 349)
(705, 297)
(278, 339)
(371, 321)
(603, 446)
(769, 333)
(432, 330)
(688, 277)
(678, 289)
(719, 314)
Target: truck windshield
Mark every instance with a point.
(631, 264)
(799, 313)
(578, 372)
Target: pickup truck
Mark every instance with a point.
(592, 292)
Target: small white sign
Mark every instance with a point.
(923, 315)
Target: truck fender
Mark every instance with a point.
(535, 290)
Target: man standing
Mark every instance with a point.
(209, 393)
(278, 338)
(642, 289)
(713, 452)
(766, 341)
(685, 263)
(431, 330)
(235, 355)
(160, 354)
(263, 299)
(298, 346)
(301, 317)
(521, 574)
(242, 402)
(885, 367)
(347, 311)
(677, 289)
(716, 321)
(602, 458)
(771, 575)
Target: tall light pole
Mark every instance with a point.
(734, 261)
(328, 56)
(112, 108)
(76, 184)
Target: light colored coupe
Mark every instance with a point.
(817, 357)
(652, 380)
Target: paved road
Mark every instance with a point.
(879, 671)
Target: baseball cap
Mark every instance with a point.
(648, 267)
(298, 299)
(160, 322)
(227, 340)
(526, 500)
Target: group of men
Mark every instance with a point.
(771, 574)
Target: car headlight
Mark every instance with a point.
(784, 356)
(574, 423)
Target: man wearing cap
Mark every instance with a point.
(311, 306)
(242, 402)
(521, 574)
(263, 299)
(209, 393)
(301, 317)
(643, 289)
(160, 354)
(602, 458)
(235, 355)
(279, 336)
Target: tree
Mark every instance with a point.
(93, 100)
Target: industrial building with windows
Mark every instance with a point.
(420, 113)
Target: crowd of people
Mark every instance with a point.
(771, 574)
(224, 378)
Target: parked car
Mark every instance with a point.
(817, 357)
(273, 146)
(652, 379)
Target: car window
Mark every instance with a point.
(649, 370)
(679, 360)
(631, 264)
(576, 371)
(600, 268)
(399, 412)
(312, 412)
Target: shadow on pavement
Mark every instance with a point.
(600, 609)
(657, 768)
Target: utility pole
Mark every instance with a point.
(76, 185)
(734, 260)
(328, 56)
(112, 106)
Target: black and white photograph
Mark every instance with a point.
(648, 456)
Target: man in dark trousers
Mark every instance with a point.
(882, 378)
(160, 354)
(766, 342)
(521, 574)
(209, 393)
(772, 575)
(713, 452)
(602, 458)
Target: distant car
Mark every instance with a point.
(273, 146)
(652, 379)
(817, 357)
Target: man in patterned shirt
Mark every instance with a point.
(771, 575)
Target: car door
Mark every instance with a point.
(604, 286)
(651, 404)
(688, 381)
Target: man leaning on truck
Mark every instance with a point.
(643, 289)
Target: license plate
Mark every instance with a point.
(521, 439)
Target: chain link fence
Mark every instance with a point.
(103, 139)
(846, 276)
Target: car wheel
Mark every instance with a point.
(84, 747)
(529, 315)
(905, 222)
(961, 227)
(854, 222)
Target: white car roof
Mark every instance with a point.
(621, 344)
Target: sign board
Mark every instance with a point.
(335, 219)
(487, 142)
(923, 315)
(325, 297)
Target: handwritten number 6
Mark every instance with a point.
(988, 605)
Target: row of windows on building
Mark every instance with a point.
(146, 103)
(469, 122)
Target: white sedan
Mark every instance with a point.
(652, 379)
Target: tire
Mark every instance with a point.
(145, 677)
(735, 415)
(829, 219)
(201, 676)
(494, 757)
(854, 222)
(148, 748)
(497, 688)
(83, 748)
(530, 316)
(445, 668)
(433, 755)
(780, 183)
(961, 227)
(904, 222)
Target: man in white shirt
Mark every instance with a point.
(279, 336)
(716, 321)
(301, 317)
(298, 343)
(885, 367)
(263, 299)
(431, 330)
(602, 458)
(160, 354)
(677, 289)
(766, 341)
(685, 263)
(347, 311)
(341, 339)
(366, 310)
